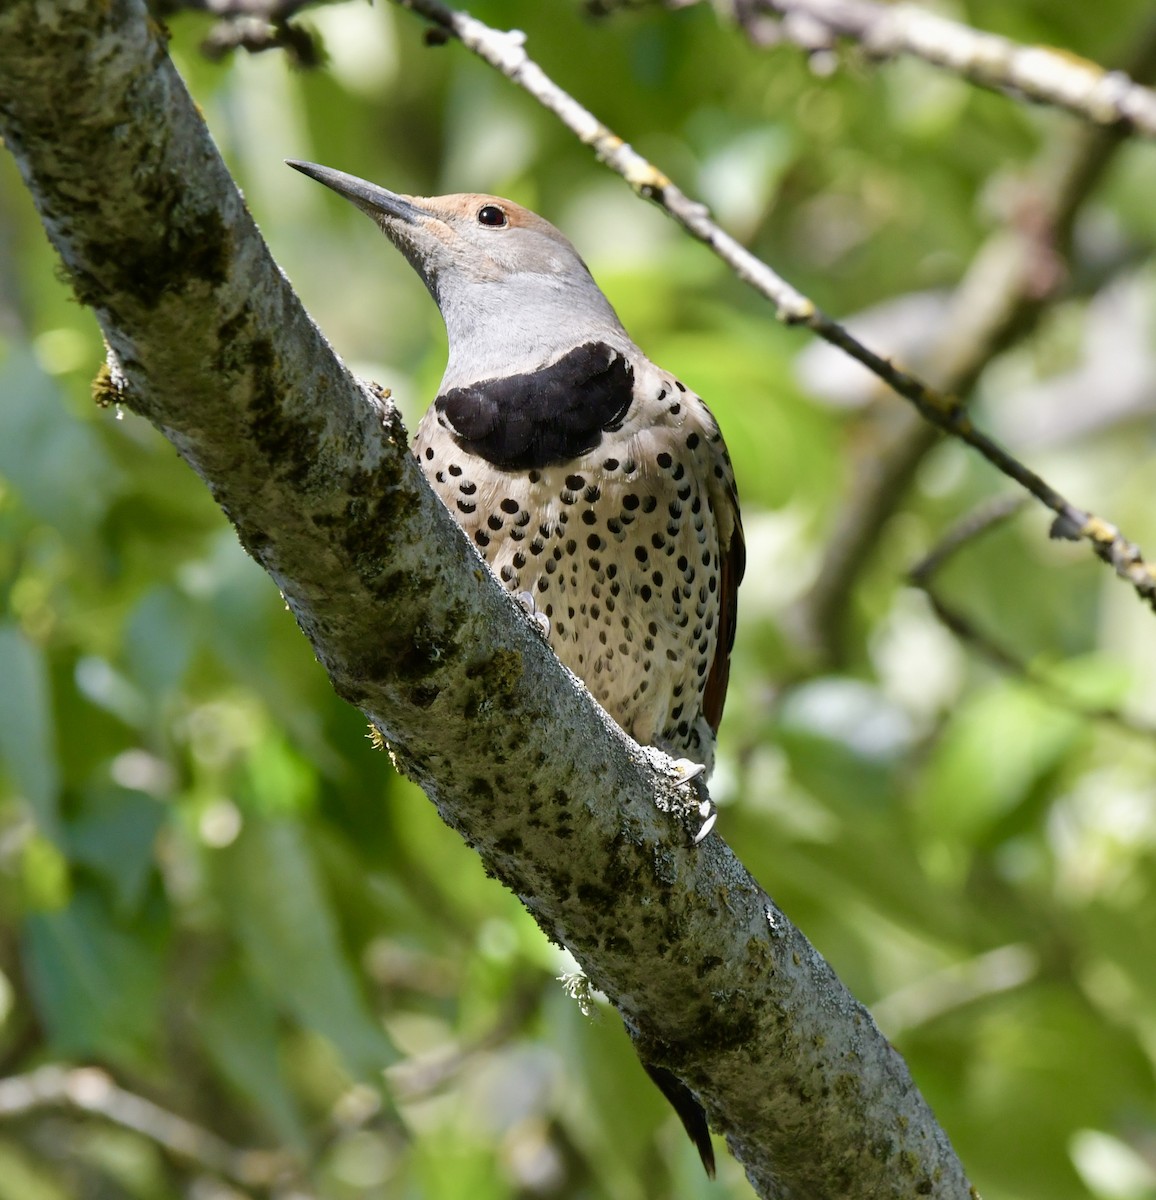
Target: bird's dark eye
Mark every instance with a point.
(492, 215)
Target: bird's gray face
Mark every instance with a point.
(512, 290)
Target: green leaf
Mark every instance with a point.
(96, 985)
(115, 835)
(44, 874)
(56, 463)
(159, 639)
(27, 733)
(285, 923)
(993, 753)
(239, 1030)
(22, 1177)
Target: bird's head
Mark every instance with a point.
(512, 290)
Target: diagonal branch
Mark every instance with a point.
(974, 525)
(91, 1090)
(1021, 267)
(208, 342)
(943, 410)
(1042, 73)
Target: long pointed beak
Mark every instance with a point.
(376, 201)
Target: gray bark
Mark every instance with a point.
(208, 342)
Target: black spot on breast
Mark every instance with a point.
(429, 454)
(509, 506)
(545, 417)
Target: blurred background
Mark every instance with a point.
(240, 957)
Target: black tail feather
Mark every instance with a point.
(689, 1112)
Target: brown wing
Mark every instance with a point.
(732, 564)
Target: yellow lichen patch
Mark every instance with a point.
(1099, 530)
(105, 393)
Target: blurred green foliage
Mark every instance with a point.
(213, 889)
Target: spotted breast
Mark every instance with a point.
(602, 486)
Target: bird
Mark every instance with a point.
(595, 484)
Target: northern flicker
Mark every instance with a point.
(589, 478)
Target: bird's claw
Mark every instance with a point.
(529, 606)
(709, 813)
(687, 773)
(685, 770)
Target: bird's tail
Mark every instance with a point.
(689, 1110)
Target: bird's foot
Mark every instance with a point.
(686, 769)
(690, 774)
(709, 814)
(529, 606)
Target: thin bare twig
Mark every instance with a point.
(980, 521)
(976, 523)
(90, 1090)
(420, 1077)
(1041, 73)
(253, 25)
(506, 53)
(1016, 273)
